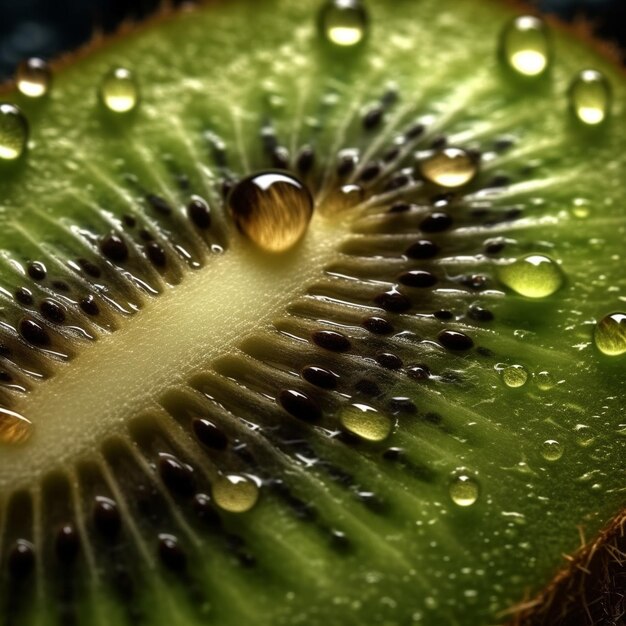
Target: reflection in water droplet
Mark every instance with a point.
(33, 77)
(590, 97)
(514, 376)
(235, 493)
(551, 450)
(464, 488)
(366, 422)
(14, 429)
(343, 22)
(119, 90)
(525, 46)
(584, 435)
(13, 132)
(451, 167)
(272, 208)
(610, 334)
(544, 380)
(533, 276)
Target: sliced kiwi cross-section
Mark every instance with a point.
(312, 313)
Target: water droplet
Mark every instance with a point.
(533, 276)
(14, 429)
(610, 334)
(464, 488)
(366, 422)
(514, 376)
(346, 197)
(584, 435)
(235, 493)
(272, 208)
(13, 132)
(119, 90)
(450, 168)
(590, 97)
(525, 45)
(551, 450)
(33, 77)
(343, 22)
(544, 380)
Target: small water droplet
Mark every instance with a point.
(450, 168)
(610, 334)
(525, 46)
(33, 77)
(343, 22)
(119, 90)
(590, 97)
(13, 132)
(544, 380)
(584, 435)
(464, 488)
(272, 208)
(551, 450)
(235, 493)
(533, 276)
(366, 422)
(514, 376)
(14, 429)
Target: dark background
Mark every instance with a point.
(48, 27)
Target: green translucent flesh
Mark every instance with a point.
(424, 559)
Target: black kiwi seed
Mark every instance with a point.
(418, 372)
(156, 254)
(455, 340)
(299, 405)
(495, 245)
(34, 332)
(199, 213)
(331, 340)
(368, 387)
(146, 235)
(439, 142)
(209, 434)
(415, 131)
(443, 315)
(159, 204)
(389, 361)
(391, 155)
(67, 544)
(400, 207)
(24, 296)
(479, 314)
(89, 305)
(280, 158)
(305, 160)
(320, 377)
(61, 285)
(436, 222)
(91, 269)
(130, 221)
(114, 248)
(21, 559)
(418, 278)
(393, 454)
(5, 377)
(422, 249)
(346, 164)
(176, 475)
(171, 554)
(393, 301)
(106, 516)
(205, 510)
(373, 118)
(37, 270)
(52, 311)
(377, 325)
(370, 172)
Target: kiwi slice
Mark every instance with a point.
(312, 313)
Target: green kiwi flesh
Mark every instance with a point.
(345, 531)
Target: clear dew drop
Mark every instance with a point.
(533, 276)
(610, 334)
(33, 77)
(272, 208)
(464, 488)
(343, 22)
(544, 380)
(514, 376)
(14, 429)
(590, 97)
(551, 450)
(366, 422)
(525, 46)
(450, 168)
(235, 493)
(119, 90)
(13, 132)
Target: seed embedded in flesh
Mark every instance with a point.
(343, 23)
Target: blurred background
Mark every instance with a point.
(47, 28)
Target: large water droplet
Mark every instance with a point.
(533, 276)
(119, 90)
(451, 167)
(514, 376)
(14, 429)
(13, 132)
(610, 334)
(551, 450)
(235, 493)
(272, 208)
(343, 22)
(590, 97)
(33, 77)
(525, 46)
(464, 488)
(366, 422)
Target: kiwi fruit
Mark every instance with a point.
(313, 313)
